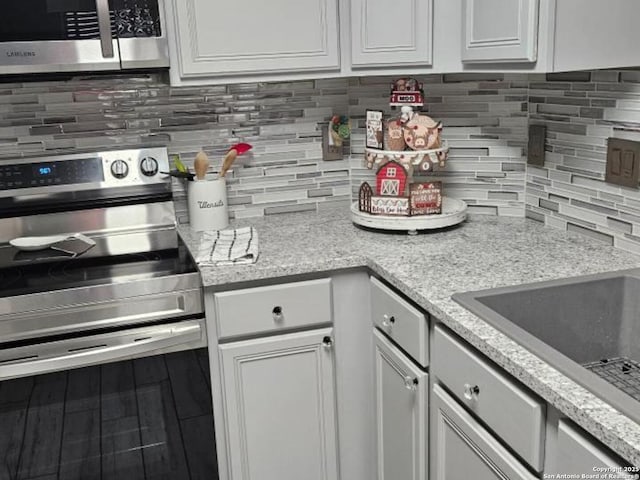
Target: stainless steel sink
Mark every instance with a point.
(587, 327)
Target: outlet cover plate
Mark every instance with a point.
(623, 162)
(535, 149)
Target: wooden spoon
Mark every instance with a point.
(229, 158)
(201, 164)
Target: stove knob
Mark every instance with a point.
(149, 166)
(119, 169)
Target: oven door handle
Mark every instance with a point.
(97, 349)
(104, 26)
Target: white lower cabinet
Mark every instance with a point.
(279, 396)
(578, 454)
(401, 414)
(462, 448)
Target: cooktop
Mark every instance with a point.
(23, 272)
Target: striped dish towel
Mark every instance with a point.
(238, 246)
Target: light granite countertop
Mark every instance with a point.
(483, 252)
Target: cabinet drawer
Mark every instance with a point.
(509, 410)
(273, 308)
(403, 323)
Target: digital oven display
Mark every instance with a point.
(42, 174)
(84, 170)
(44, 170)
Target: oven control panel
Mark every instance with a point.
(102, 170)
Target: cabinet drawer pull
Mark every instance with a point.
(471, 392)
(410, 383)
(277, 314)
(327, 343)
(388, 321)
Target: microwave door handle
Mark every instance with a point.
(104, 25)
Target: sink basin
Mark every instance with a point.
(587, 327)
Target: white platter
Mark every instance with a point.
(453, 212)
(36, 243)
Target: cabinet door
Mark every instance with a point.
(401, 414)
(279, 395)
(578, 454)
(499, 31)
(391, 33)
(460, 446)
(254, 36)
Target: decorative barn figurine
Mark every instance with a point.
(391, 188)
(391, 180)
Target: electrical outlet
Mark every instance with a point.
(623, 162)
(535, 149)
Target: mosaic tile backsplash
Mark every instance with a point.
(284, 171)
(581, 110)
(485, 117)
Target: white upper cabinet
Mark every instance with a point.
(499, 31)
(391, 33)
(254, 37)
(596, 35)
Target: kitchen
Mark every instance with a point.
(339, 353)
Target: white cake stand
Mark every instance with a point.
(453, 212)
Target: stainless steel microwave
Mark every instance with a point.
(39, 36)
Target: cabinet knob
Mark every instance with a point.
(388, 320)
(471, 392)
(410, 383)
(277, 314)
(327, 343)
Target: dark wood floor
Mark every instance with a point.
(146, 419)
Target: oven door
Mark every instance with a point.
(136, 408)
(132, 411)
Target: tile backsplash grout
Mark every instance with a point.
(485, 117)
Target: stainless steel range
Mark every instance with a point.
(114, 300)
(135, 294)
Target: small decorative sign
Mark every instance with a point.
(390, 206)
(375, 134)
(394, 139)
(406, 91)
(426, 198)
